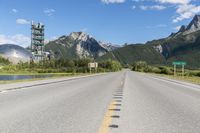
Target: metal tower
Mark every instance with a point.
(37, 41)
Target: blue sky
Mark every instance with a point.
(115, 21)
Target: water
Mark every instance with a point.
(21, 77)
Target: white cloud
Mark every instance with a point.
(174, 1)
(22, 21)
(136, 0)
(154, 7)
(18, 39)
(4, 39)
(133, 7)
(50, 39)
(177, 28)
(14, 10)
(140, 0)
(49, 12)
(186, 11)
(112, 1)
(166, 1)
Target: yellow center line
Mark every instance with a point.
(107, 119)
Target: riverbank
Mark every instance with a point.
(27, 73)
(53, 76)
(30, 83)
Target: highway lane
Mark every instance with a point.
(154, 105)
(122, 102)
(76, 106)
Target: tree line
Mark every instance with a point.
(4, 61)
(62, 65)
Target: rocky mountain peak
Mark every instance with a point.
(79, 44)
(194, 24)
(183, 28)
(108, 46)
(196, 18)
(80, 36)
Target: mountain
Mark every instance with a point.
(132, 53)
(193, 26)
(78, 45)
(109, 46)
(181, 46)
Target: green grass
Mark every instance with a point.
(192, 76)
(190, 79)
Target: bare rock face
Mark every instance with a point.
(183, 39)
(194, 25)
(81, 45)
(109, 46)
(159, 48)
(182, 29)
(86, 45)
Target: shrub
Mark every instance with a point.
(110, 65)
(165, 70)
(140, 66)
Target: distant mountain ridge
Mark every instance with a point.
(109, 46)
(193, 26)
(78, 45)
(181, 46)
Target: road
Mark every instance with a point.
(121, 102)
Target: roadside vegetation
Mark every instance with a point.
(189, 75)
(57, 67)
(142, 66)
(4, 61)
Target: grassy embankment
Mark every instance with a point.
(190, 79)
(192, 76)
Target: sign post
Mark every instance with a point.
(93, 65)
(179, 63)
(183, 70)
(174, 70)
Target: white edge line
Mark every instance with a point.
(179, 84)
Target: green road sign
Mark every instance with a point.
(179, 63)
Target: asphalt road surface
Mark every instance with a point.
(122, 102)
